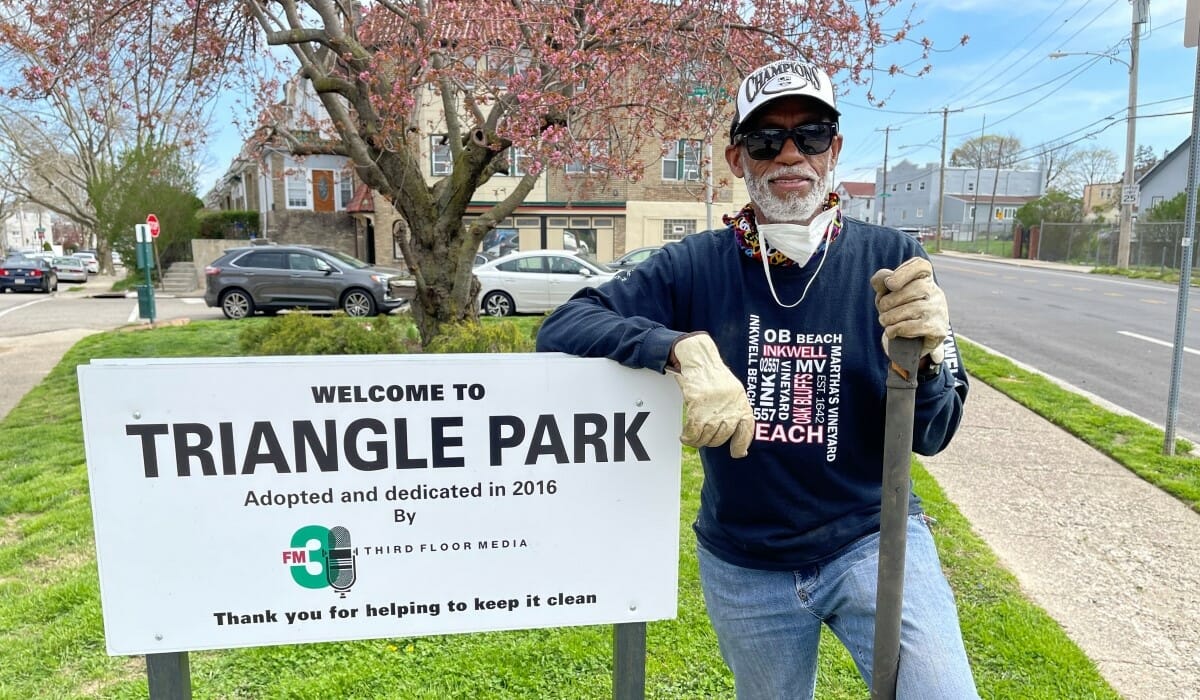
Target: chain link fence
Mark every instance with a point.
(1153, 244)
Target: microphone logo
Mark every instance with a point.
(322, 557)
(340, 561)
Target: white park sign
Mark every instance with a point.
(248, 502)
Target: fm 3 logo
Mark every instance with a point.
(321, 557)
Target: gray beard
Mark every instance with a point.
(794, 209)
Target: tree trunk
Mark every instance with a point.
(446, 288)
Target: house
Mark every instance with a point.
(27, 227)
(857, 199)
(315, 199)
(299, 199)
(974, 201)
(1102, 201)
(1166, 179)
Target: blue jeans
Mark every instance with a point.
(768, 623)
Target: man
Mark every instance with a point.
(773, 329)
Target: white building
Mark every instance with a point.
(27, 227)
(975, 200)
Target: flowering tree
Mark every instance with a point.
(87, 84)
(549, 77)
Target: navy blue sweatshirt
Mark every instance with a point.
(815, 375)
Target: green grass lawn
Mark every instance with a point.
(52, 638)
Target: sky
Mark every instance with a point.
(1001, 82)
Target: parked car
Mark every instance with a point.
(70, 268)
(21, 273)
(535, 281)
(480, 259)
(89, 259)
(269, 278)
(635, 257)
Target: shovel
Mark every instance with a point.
(893, 517)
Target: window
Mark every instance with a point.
(867, 202)
(1156, 200)
(297, 189)
(304, 261)
(908, 187)
(675, 229)
(557, 222)
(602, 222)
(581, 240)
(920, 213)
(595, 148)
(508, 65)
(533, 263)
(439, 154)
(970, 186)
(345, 190)
(518, 162)
(893, 188)
(565, 266)
(921, 186)
(682, 160)
(529, 222)
(270, 260)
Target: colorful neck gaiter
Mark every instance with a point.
(746, 230)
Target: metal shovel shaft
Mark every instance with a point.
(893, 518)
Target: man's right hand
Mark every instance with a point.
(715, 404)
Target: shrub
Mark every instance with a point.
(237, 225)
(305, 334)
(473, 337)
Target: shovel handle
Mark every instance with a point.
(905, 356)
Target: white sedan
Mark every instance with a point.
(535, 281)
(90, 260)
(70, 268)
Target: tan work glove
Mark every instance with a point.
(911, 305)
(715, 404)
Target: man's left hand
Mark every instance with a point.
(911, 305)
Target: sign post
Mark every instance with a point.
(1190, 32)
(145, 260)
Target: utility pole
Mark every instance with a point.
(978, 168)
(941, 194)
(887, 131)
(1129, 195)
(987, 234)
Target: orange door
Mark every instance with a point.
(323, 190)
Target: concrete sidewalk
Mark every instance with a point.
(1113, 559)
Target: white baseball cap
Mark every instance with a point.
(786, 78)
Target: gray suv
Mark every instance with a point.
(268, 278)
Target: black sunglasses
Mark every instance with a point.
(811, 139)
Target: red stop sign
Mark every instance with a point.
(152, 222)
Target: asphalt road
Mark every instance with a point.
(1107, 336)
(36, 329)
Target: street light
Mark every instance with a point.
(1129, 195)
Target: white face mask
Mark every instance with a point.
(798, 242)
